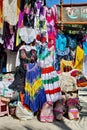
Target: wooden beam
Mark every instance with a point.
(74, 22)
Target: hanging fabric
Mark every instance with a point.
(10, 11)
(27, 14)
(79, 58)
(49, 76)
(51, 22)
(34, 91)
(85, 66)
(9, 36)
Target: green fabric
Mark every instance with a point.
(42, 57)
(51, 81)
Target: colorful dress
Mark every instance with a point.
(51, 22)
(34, 91)
(49, 77)
(51, 84)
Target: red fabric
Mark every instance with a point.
(47, 70)
(53, 91)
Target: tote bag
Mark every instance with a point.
(22, 113)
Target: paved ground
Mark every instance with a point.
(9, 123)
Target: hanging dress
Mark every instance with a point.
(49, 77)
(51, 21)
(51, 85)
(10, 11)
(34, 91)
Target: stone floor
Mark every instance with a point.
(10, 123)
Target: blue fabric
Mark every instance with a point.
(36, 104)
(42, 51)
(71, 42)
(61, 42)
(59, 55)
(39, 49)
(85, 48)
(50, 3)
(4, 70)
(33, 72)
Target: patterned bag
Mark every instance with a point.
(58, 110)
(73, 112)
(46, 114)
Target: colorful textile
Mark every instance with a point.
(27, 14)
(10, 11)
(75, 72)
(58, 110)
(59, 55)
(85, 66)
(40, 22)
(9, 36)
(73, 112)
(79, 58)
(71, 43)
(66, 65)
(38, 5)
(81, 81)
(46, 114)
(61, 42)
(26, 48)
(51, 22)
(49, 77)
(72, 101)
(85, 47)
(34, 92)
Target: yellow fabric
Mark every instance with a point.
(18, 7)
(79, 58)
(17, 39)
(34, 88)
(64, 63)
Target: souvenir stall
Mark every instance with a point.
(70, 54)
(42, 69)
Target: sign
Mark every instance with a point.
(58, 9)
(75, 14)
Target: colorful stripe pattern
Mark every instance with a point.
(49, 77)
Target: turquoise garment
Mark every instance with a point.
(61, 42)
(71, 42)
(85, 47)
(50, 3)
(41, 50)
